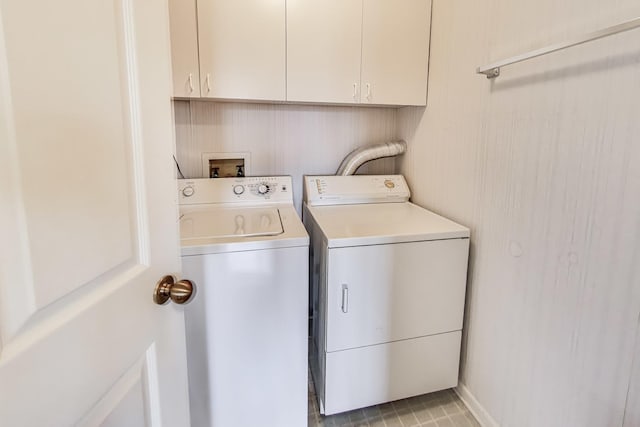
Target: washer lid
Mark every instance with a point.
(198, 240)
(243, 222)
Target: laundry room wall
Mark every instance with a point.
(282, 139)
(542, 165)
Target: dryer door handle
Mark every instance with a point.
(345, 298)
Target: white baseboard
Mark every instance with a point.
(475, 407)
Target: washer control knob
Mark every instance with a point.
(188, 191)
(263, 189)
(238, 189)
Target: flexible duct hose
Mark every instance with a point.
(362, 155)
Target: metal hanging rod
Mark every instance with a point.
(493, 70)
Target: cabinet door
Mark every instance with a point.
(395, 51)
(323, 50)
(242, 49)
(383, 293)
(184, 48)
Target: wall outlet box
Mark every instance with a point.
(224, 165)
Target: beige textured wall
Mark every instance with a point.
(282, 139)
(543, 166)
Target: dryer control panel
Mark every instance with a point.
(354, 189)
(246, 190)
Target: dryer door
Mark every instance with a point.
(384, 293)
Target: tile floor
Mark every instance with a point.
(440, 409)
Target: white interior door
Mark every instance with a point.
(87, 216)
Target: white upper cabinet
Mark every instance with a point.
(323, 50)
(395, 51)
(242, 49)
(358, 51)
(318, 51)
(184, 48)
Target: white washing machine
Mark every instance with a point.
(246, 250)
(388, 287)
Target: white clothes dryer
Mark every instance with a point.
(388, 289)
(245, 248)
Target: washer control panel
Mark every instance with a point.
(273, 189)
(238, 189)
(353, 189)
(188, 191)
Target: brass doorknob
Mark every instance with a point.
(180, 292)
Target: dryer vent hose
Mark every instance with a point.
(362, 155)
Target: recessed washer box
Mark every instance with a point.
(225, 165)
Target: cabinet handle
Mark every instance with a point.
(345, 298)
(190, 82)
(355, 91)
(368, 92)
(208, 82)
